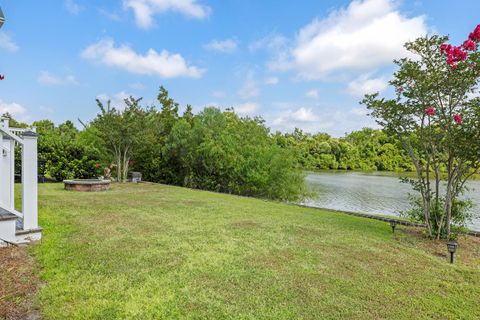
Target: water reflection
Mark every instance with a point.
(369, 193)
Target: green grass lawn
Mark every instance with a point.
(154, 252)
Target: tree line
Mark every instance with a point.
(212, 150)
(363, 150)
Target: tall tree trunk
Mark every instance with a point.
(126, 159)
(448, 208)
(449, 196)
(119, 167)
(419, 172)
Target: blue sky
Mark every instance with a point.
(299, 64)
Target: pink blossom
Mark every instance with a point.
(446, 48)
(430, 111)
(454, 54)
(451, 61)
(458, 54)
(475, 34)
(469, 45)
(458, 118)
(97, 165)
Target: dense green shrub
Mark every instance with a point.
(62, 154)
(222, 152)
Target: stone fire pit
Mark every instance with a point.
(87, 185)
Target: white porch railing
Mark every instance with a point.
(27, 140)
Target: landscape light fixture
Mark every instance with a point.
(2, 18)
(452, 247)
(393, 224)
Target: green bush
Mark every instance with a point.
(220, 151)
(61, 153)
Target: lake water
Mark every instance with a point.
(371, 193)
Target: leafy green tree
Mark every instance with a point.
(157, 127)
(121, 132)
(437, 121)
(62, 155)
(223, 152)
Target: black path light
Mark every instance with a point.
(452, 247)
(2, 18)
(393, 224)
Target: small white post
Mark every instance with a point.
(12, 173)
(2, 172)
(29, 181)
(7, 174)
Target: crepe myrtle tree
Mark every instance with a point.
(436, 116)
(121, 132)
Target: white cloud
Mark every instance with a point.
(218, 94)
(137, 86)
(303, 118)
(354, 119)
(208, 104)
(49, 79)
(334, 121)
(301, 115)
(304, 115)
(272, 81)
(109, 15)
(359, 111)
(7, 43)
(72, 6)
(282, 105)
(247, 108)
(250, 88)
(224, 46)
(163, 64)
(312, 94)
(46, 110)
(12, 108)
(144, 10)
(365, 84)
(117, 100)
(362, 36)
(271, 42)
(102, 97)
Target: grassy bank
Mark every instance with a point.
(153, 251)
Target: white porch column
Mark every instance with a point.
(7, 172)
(29, 181)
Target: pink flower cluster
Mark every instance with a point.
(469, 45)
(475, 34)
(454, 54)
(458, 118)
(458, 54)
(430, 111)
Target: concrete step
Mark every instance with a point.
(26, 236)
(7, 227)
(12, 232)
